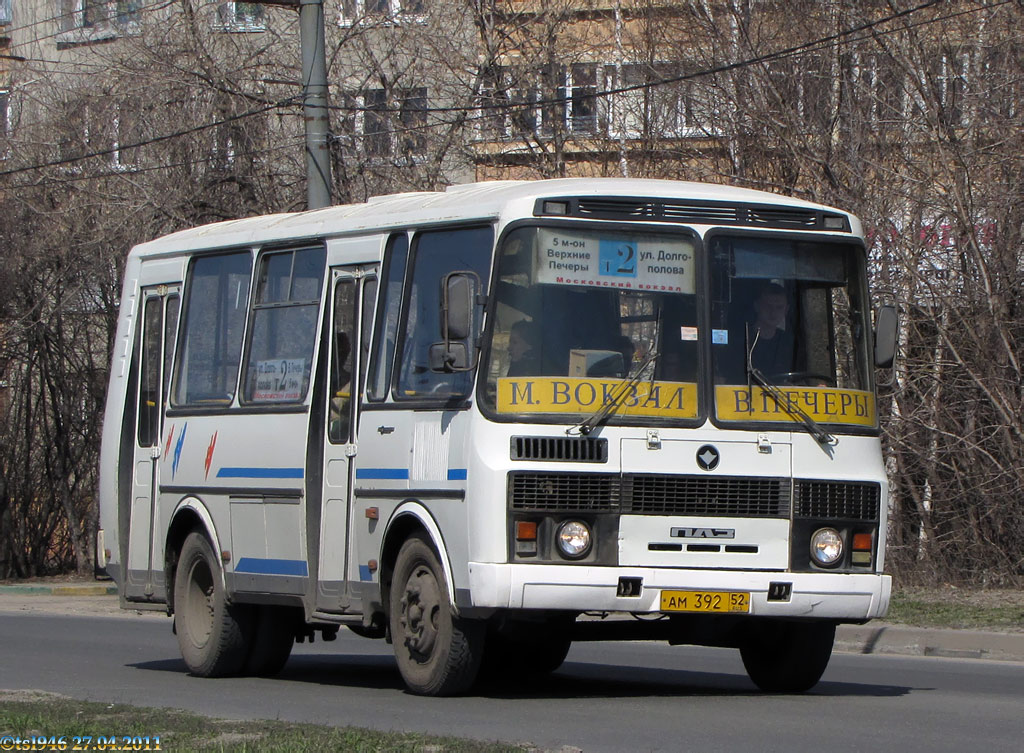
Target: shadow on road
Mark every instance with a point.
(575, 680)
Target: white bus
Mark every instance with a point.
(486, 422)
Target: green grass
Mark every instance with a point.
(28, 714)
(954, 609)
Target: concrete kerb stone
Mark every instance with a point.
(60, 589)
(886, 638)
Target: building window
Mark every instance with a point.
(659, 103)
(5, 11)
(396, 11)
(240, 17)
(95, 14)
(386, 123)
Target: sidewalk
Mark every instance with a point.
(64, 597)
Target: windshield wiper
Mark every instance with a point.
(782, 400)
(597, 417)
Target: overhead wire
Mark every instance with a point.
(819, 43)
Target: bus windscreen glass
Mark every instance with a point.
(796, 311)
(584, 318)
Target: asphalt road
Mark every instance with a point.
(607, 697)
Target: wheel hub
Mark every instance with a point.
(421, 606)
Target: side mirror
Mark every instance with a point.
(886, 335)
(458, 297)
(449, 357)
(457, 352)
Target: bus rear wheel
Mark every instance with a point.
(272, 640)
(214, 636)
(787, 657)
(437, 652)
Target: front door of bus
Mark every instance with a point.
(154, 345)
(354, 293)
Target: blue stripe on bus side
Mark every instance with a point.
(391, 474)
(260, 473)
(261, 566)
(457, 474)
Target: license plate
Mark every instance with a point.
(705, 601)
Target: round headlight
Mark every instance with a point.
(826, 547)
(573, 539)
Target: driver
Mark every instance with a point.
(771, 344)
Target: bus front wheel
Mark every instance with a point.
(214, 636)
(787, 657)
(437, 652)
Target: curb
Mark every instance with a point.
(62, 589)
(885, 638)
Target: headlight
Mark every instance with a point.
(826, 547)
(573, 539)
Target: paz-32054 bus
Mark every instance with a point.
(486, 422)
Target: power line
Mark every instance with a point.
(153, 140)
(820, 43)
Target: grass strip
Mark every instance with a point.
(929, 611)
(26, 714)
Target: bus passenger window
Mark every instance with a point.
(284, 326)
(215, 306)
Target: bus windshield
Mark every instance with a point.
(584, 318)
(792, 313)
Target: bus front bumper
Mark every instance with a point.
(819, 595)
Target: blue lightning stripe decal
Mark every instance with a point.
(177, 450)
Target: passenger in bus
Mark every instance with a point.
(771, 343)
(524, 349)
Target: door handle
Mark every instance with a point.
(385, 429)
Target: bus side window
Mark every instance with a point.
(215, 307)
(436, 253)
(284, 325)
(149, 389)
(342, 361)
(386, 331)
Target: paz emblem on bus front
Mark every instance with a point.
(708, 458)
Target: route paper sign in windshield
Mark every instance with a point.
(616, 260)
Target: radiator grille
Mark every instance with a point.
(570, 492)
(851, 500)
(649, 494)
(564, 449)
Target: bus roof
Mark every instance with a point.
(463, 202)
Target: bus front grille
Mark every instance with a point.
(564, 492)
(560, 449)
(740, 497)
(849, 500)
(650, 494)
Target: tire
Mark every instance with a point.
(506, 658)
(437, 653)
(787, 657)
(272, 640)
(214, 636)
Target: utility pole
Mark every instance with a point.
(314, 98)
(314, 103)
